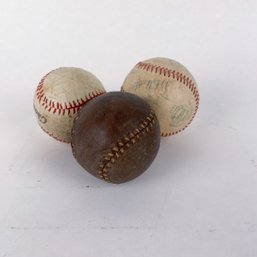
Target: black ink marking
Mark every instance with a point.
(41, 118)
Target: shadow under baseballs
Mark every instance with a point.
(62, 166)
(174, 159)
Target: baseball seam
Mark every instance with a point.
(123, 145)
(53, 136)
(62, 108)
(185, 80)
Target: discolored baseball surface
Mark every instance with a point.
(117, 137)
(169, 88)
(61, 93)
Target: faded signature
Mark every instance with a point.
(155, 87)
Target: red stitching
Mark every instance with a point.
(175, 75)
(179, 77)
(61, 108)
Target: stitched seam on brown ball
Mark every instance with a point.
(123, 144)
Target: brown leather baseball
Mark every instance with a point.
(116, 137)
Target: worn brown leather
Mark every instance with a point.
(116, 137)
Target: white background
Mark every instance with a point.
(199, 197)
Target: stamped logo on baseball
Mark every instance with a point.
(178, 115)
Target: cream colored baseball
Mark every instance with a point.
(169, 88)
(60, 95)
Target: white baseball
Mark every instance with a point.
(60, 95)
(169, 88)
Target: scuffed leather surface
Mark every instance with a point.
(109, 119)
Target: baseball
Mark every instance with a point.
(60, 95)
(169, 88)
(116, 137)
